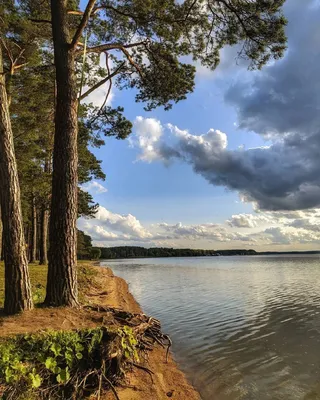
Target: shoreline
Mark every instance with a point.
(169, 380)
(100, 287)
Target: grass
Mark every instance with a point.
(38, 277)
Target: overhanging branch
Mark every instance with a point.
(111, 46)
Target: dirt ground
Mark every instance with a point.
(108, 290)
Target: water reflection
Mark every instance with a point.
(243, 328)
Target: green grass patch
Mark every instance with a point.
(38, 277)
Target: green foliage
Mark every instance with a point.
(95, 253)
(128, 343)
(84, 245)
(59, 358)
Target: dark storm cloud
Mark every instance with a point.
(284, 97)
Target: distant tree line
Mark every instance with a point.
(141, 252)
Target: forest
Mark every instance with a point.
(141, 252)
(53, 55)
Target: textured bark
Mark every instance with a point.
(33, 246)
(43, 253)
(18, 295)
(62, 272)
(0, 234)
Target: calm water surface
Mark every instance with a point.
(242, 327)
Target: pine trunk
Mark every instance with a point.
(43, 258)
(33, 248)
(62, 270)
(0, 234)
(18, 295)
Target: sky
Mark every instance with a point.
(235, 165)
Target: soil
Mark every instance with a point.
(108, 290)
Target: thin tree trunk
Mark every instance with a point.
(33, 247)
(43, 259)
(62, 273)
(18, 295)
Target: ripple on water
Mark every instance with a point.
(243, 327)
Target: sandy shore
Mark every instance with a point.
(168, 380)
(109, 290)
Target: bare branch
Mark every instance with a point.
(83, 23)
(20, 66)
(104, 80)
(75, 12)
(111, 46)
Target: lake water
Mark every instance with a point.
(242, 327)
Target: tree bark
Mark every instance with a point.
(62, 273)
(0, 233)
(33, 247)
(18, 295)
(44, 216)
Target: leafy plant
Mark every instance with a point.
(61, 359)
(128, 343)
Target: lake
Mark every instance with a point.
(244, 327)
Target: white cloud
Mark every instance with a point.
(247, 220)
(94, 187)
(126, 224)
(148, 133)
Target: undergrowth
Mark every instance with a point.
(65, 364)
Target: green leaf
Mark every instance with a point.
(64, 376)
(50, 363)
(35, 380)
(56, 349)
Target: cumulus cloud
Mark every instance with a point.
(150, 132)
(278, 177)
(290, 236)
(210, 232)
(94, 187)
(247, 220)
(126, 224)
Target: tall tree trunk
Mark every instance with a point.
(62, 273)
(33, 247)
(0, 233)
(43, 235)
(18, 295)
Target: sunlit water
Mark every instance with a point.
(242, 327)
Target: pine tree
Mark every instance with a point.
(18, 295)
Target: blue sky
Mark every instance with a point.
(191, 201)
